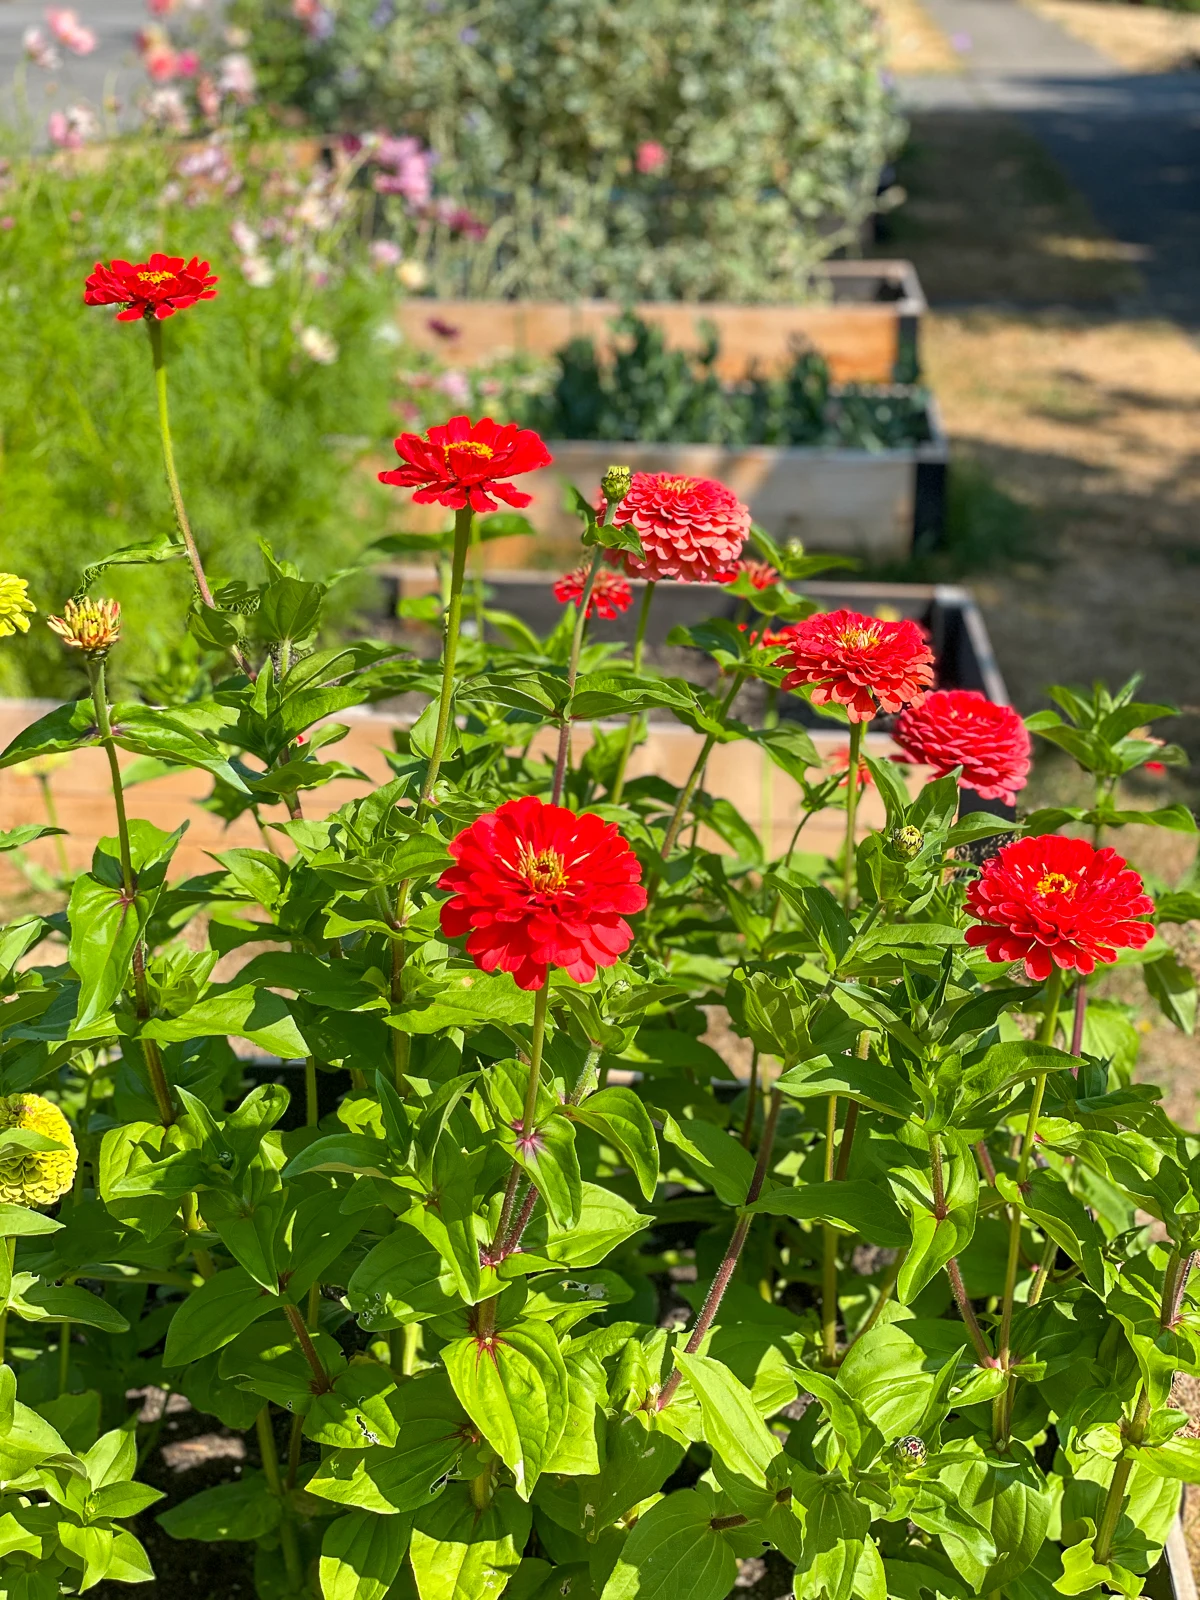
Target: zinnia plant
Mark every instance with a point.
(560, 1190)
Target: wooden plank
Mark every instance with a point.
(859, 341)
(84, 803)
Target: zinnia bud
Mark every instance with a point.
(909, 1452)
(908, 842)
(92, 626)
(14, 603)
(616, 484)
(35, 1177)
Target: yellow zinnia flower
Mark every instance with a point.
(14, 603)
(35, 1177)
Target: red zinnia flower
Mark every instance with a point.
(534, 886)
(962, 728)
(609, 597)
(1060, 902)
(761, 573)
(839, 761)
(766, 638)
(690, 528)
(862, 663)
(461, 463)
(157, 288)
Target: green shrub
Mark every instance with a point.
(652, 148)
(640, 390)
(262, 426)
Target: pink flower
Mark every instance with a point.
(160, 8)
(237, 77)
(39, 49)
(651, 157)
(7, 223)
(72, 128)
(188, 63)
(70, 32)
(384, 253)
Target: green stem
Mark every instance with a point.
(502, 1240)
(631, 729)
(168, 452)
(310, 1091)
(270, 1466)
(829, 1271)
(321, 1382)
(60, 848)
(1004, 1404)
(766, 821)
(64, 1357)
(856, 733)
(462, 543)
(564, 731)
(1115, 1499)
(150, 1050)
(751, 1101)
(689, 788)
(725, 1272)
(10, 1249)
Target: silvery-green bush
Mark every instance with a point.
(772, 116)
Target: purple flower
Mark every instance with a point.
(469, 36)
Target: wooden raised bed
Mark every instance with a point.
(864, 318)
(84, 799)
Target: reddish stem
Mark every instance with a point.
(725, 1271)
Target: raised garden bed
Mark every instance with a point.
(865, 319)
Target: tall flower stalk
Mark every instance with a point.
(634, 724)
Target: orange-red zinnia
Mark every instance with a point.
(863, 664)
(153, 289)
(534, 886)
(462, 463)
(1052, 901)
(692, 529)
(963, 728)
(609, 597)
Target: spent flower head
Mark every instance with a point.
(15, 604)
(35, 1177)
(92, 626)
(616, 483)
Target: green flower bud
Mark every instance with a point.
(35, 1177)
(615, 483)
(909, 1453)
(908, 842)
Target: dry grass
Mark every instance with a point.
(916, 45)
(1092, 425)
(1140, 38)
(990, 217)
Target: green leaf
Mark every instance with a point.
(618, 1115)
(361, 1555)
(1174, 988)
(835, 1535)
(124, 1499)
(213, 1315)
(290, 610)
(550, 1163)
(400, 1280)
(462, 1553)
(605, 1221)
(357, 1412)
(247, 1013)
(48, 1302)
(92, 1546)
(869, 1082)
(176, 735)
(715, 1156)
(935, 1239)
(147, 552)
(732, 1425)
(1009, 1496)
(790, 748)
(241, 1510)
(674, 1553)
(514, 1388)
(853, 1205)
(342, 1152)
(105, 927)
(638, 1459)
(406, 1477)
(850, 1422)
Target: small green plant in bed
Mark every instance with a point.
(639, 389)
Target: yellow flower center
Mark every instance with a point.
(1055, 883)
(858, 638)
(543, 870)
(35, 1177)
(679, 485)
(155, 277)
(474, 447)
